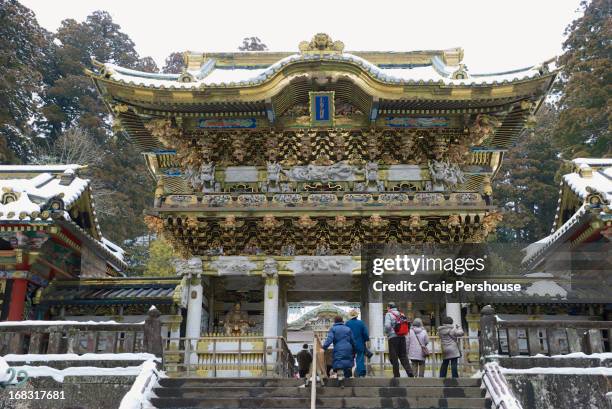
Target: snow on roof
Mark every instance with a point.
(34, 193)
(38, 168)
(600, 180)
(537, 248)
(547, 288)
(209, 75)
(593, 161)
(115, 249)
(540, 275)
(592, 173)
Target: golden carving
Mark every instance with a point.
(306, 222)
(163, 130)
(321, 43)
(154, 223)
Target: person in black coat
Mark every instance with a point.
(304, 358)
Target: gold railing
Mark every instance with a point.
(231, 356)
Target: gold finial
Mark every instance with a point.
(321, 43)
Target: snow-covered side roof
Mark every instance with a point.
(210, 76)
(26, 198)
(591, 174)
(539, 247)
(115, 249)
(593, 161)
(38, 168)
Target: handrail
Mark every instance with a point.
(498, 388)
(313, 377)
(554, 324)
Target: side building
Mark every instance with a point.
(48, 232)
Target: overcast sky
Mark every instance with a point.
(495, 34)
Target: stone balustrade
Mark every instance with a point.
(61, 337)
(500, 338)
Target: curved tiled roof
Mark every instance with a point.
(436, 72)
(34, 194)
(27, 190)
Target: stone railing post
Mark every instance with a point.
(488, 334)
(152, 333)
(16, 343)
(72, 341)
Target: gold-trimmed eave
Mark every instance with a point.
(135, 94)
(328, 211)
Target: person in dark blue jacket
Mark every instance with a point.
(344, 348)
(360, 336)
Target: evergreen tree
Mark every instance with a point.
(72, 100)
(252, 44)
(175, 63)
(24, 49)
(526, 188)
(585, 83)
(161, 259)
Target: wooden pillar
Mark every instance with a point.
(17, 303)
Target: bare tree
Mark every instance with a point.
(73, 146)
(77, 146)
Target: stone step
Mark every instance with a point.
(280, 382)
(363, 391)
(328, 391)
(322, 403)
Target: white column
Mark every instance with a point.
(376, 318)
(271, 306)
(194, 315)
(453, 310)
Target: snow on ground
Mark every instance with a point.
(4, 367)
(142, 389)
(74, 357)
(558, 371)
(601, 356)
(42, 322)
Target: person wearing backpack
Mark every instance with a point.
(449, 338)
(396, 329)
(416, 344)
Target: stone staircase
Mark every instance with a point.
(367, 393)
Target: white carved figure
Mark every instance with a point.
(337, 171)
(233, 266)
(192, 177)
(192, 266)
(371, 176)
(273, 175)
(325, 264)
(446, 173)
(371, 172)
(207, 177)
(270, 267)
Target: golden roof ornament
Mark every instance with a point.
(321, 43)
